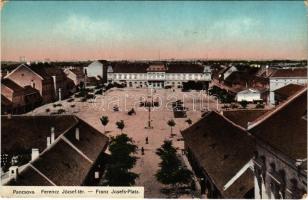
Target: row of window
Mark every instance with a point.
(157, 76)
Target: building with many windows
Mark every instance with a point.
(280, 161)
(283, 77)
(220, 153)
(157, 75)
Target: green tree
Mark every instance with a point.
(171, 123)
(120, 124)
(121, 161)
(104, 121)
(244, 104)
(172, 171)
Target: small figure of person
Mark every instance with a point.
(147, 140)
(142, 151)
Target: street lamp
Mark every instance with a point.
(149, 104)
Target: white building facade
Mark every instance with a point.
(284, 77)
(229, 71)
(157, 75)
(249, 95)
(95, 69)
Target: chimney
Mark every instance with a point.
(13, 172)
(77, 134)
(52, 137)
(59, 95)
(35, 154)
(54, 78)
(266, 70)
(48, 142)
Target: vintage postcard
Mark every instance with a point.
(154, 99)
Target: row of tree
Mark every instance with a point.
(122, 160)
(121, 125)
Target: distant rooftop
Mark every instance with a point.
(291, 72)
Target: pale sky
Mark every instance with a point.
(80, 30)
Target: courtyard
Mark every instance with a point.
(126, 99)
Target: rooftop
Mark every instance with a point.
(67, 161)
(173, 67)
(12, 85)
(243, 117)
(31, 131)
(291, 72)
(285, 128)
(222, 149)
(184, 68)
(289, 90)
(157, 68)
(250, 90)
(5, 101)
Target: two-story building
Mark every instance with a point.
(96, 69)
(49, 80)
(283, 77)
(220, 154)
(280, 160)
(17, 99)
(157, 75)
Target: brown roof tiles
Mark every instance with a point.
(289, 90)
(243, 117)
(285, 128)
(293, 72)
(63, 163)
(221, 149)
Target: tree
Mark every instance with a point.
(172, 171)
(120, 124)
(244, 104)
(189, 122)
(121, 161)
(104, 121)
(171, 123)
